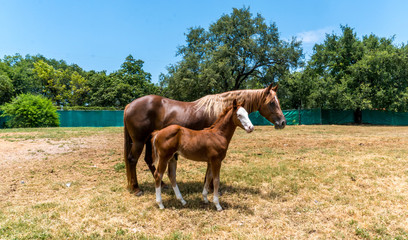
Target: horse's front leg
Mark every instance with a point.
(172, 167)
(215, 168)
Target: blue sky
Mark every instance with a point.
(98, 35)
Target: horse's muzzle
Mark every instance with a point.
(280, 124)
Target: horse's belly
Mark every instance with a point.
(195, 156)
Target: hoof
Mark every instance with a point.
(164, 186)
(138, 193)
(161, 206)
(183, 202)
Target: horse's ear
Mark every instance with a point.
(234, 104)
(242, 103)
(275, 88)
(268, 89)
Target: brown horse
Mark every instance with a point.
(149, 113)
(209, 145)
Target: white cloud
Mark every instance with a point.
(314, 36)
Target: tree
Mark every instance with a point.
(132, 73)
(121, 87)
(6, 89)
(78, 95)
(20, 72)
(380, 79)
(53, 81)
(329, 67)
(349, 73)
(295, 90)
(237, 51)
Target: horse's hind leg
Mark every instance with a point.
(132, 158)
(172, 167)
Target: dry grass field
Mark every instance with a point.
(303, 182)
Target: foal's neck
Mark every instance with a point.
(226, 126)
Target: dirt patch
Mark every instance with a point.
(21, 152)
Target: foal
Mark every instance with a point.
(208, 145)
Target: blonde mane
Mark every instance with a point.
(215, 104)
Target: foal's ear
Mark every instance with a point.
(234, 104)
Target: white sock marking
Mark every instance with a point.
(217, 203)
(178, 195)
(205, 194)
(158, 198)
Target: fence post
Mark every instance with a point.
(321, 117)
(299, 116)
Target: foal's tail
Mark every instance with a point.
(154, 149)
(127, 152)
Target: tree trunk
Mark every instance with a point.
(358, 116)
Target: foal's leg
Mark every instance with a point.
(172, 176)
(215, 167)
(208, 177)
(148, 158)
(208, 180)
(158, 176)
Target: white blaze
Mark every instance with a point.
(244, 119)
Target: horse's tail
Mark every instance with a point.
(127, 152)
(154, 152)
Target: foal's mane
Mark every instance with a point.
(216, 104)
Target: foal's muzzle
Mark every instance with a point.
(250, 129)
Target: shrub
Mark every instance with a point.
(27, 110)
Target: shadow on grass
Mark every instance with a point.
(191, 192)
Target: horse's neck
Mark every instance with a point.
(200, 120)
(252, 104)
(226, 127)
(213, 105)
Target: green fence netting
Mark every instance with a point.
(385, 118)
(3, 121)
(293, 117)
(258, 119)
(337, 116)
(91, 118)
(308, 117)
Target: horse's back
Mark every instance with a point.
(146, 114)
